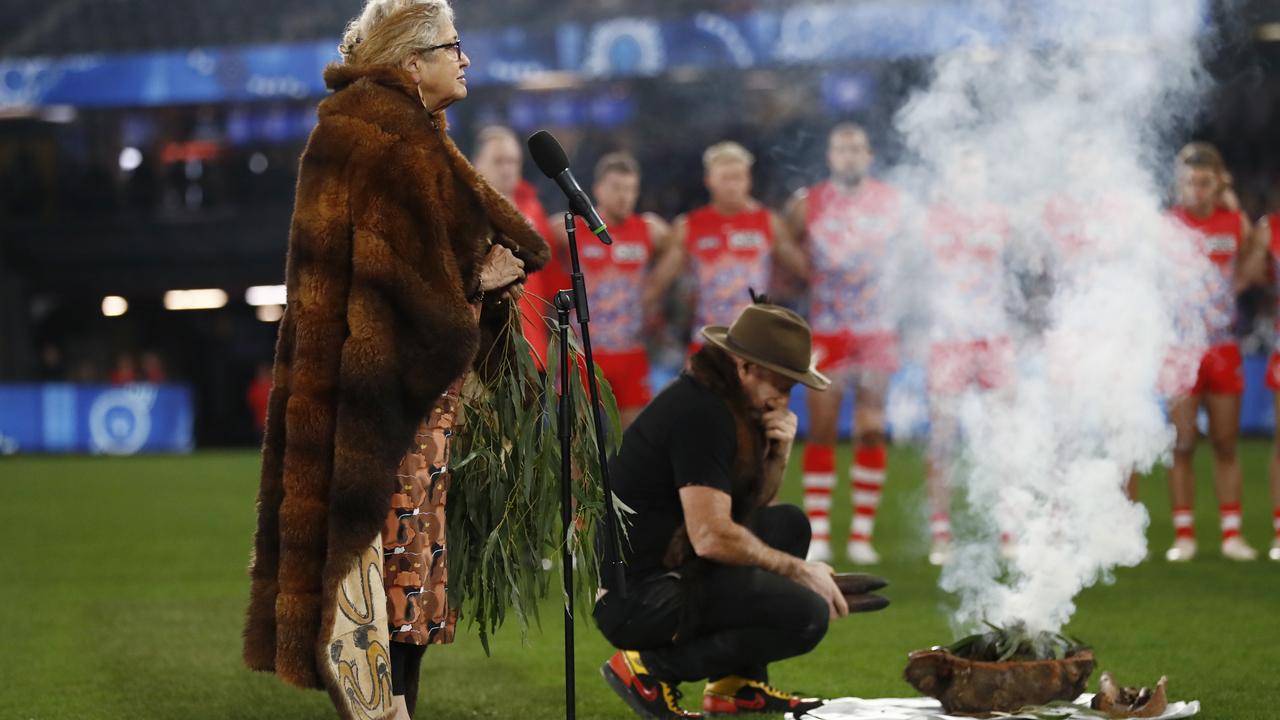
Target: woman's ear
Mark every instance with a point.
(412, 64)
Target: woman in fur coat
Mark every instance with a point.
(401, 260)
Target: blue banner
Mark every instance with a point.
(619, 47)
(1257, 407)
(99, 419)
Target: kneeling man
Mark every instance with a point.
(718, 587)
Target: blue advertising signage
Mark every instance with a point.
(803, 34)
(98, 419)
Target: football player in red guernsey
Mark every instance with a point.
(730, 245)
(619, 278)
(1084, 223)
(845, 228)
(1218, 381)
(1267, 235)
(966, 238)
(498, 159)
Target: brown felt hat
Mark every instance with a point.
(772, 337)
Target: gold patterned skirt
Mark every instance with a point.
(415, 558)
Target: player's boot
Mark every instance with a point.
(647, 695)
(939, 553)
(1274, 554)
(735, 695)
(819, 551)
(1183, 550)
(861, 553)
(1235, 548)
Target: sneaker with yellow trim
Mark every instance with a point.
(647, 695)
(735, 695)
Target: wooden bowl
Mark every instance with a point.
(975, 686)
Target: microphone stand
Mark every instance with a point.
(576, 298)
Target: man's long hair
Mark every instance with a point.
(716, 370)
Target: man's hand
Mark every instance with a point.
(780, 428)
(500, 268)
(819, 577)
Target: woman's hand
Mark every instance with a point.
(500, 268)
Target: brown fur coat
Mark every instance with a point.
(389, 227)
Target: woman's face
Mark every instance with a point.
(440, 71)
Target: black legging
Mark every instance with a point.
(747, 617)
(406, 664)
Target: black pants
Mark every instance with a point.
(406, 666)
(746, 617)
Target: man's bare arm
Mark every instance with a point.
(716, 537)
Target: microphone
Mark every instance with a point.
(552, 161)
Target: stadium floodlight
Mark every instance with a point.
(209, 299)
(114, 306)
(130, 159)
(258, 163)
(270, 313)
(261, 295)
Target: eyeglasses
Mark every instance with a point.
(456, 45)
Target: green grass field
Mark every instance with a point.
(124, 586)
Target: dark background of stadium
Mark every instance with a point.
(74, 227)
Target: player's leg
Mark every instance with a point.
(819, 464)
(1182, 484)
(1273, 383)
(870, 463)
(1224, 434)
(1224, 376)
(947, 379)
(819, 470)
(944, 442)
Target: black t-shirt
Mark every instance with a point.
(686, 436)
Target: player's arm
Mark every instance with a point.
(788, 253)
(1252, 268)
(670, 261)
(559, 237)
(659, 229)
(796, 213)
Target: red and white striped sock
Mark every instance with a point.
(818, 480)
(1229, 516)
(867, 481)
(1184, 526)
(940, 527)
(1276, 523)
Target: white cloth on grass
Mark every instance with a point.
(930, 709)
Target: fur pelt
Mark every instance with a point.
(388, 231)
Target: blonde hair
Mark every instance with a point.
(388, 30)
(727, 151)
(1201, 155)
